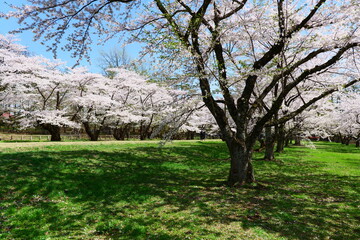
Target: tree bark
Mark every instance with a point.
(287, 141)
(269, 144)
(190, 135)
(297, 140)
(241, 169)
(145, 131)
(280, 139)
(347, 140)
(92, 133)
(337, 138)
(120, 133)
(261, 140)
(53, 130)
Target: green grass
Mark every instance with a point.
(141, 191)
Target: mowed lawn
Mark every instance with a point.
(141, 191)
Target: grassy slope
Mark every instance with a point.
(139, 191)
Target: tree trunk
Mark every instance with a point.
(357, 143)
(145, 131)
(342, 139)
(280, 139)
(149, 133)
(297, 140)
(261, 140)
(92, 133)
(190, 135)
(120, 133)
(287, 141)
(53, 130)
(241, 170)
(269, 144)
(142, 131)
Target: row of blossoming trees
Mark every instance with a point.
(44, 93)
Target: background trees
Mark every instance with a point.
(35, 90)
(46, 94)
(253, 54)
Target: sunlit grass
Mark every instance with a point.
(141, 191)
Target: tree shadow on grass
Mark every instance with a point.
(309, 206)
(37, 183)
(169, 193)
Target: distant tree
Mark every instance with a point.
(337, 118)
(115, 58)
(200, 120)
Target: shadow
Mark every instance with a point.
(168, 193)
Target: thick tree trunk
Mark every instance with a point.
(53, 130)
(269, 144)
(357, 143)
(241, 170)
(92, 133)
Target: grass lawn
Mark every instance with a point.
(140, 191)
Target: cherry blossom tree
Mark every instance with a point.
(41, 97)
(12, 58)
(150, 102)
(90, 100)
(349, 118)
(200, 120)
(126, 99)
(137, 97)
(36, 90)
(241, 50)
(336, 118)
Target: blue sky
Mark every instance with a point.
(36, 48)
